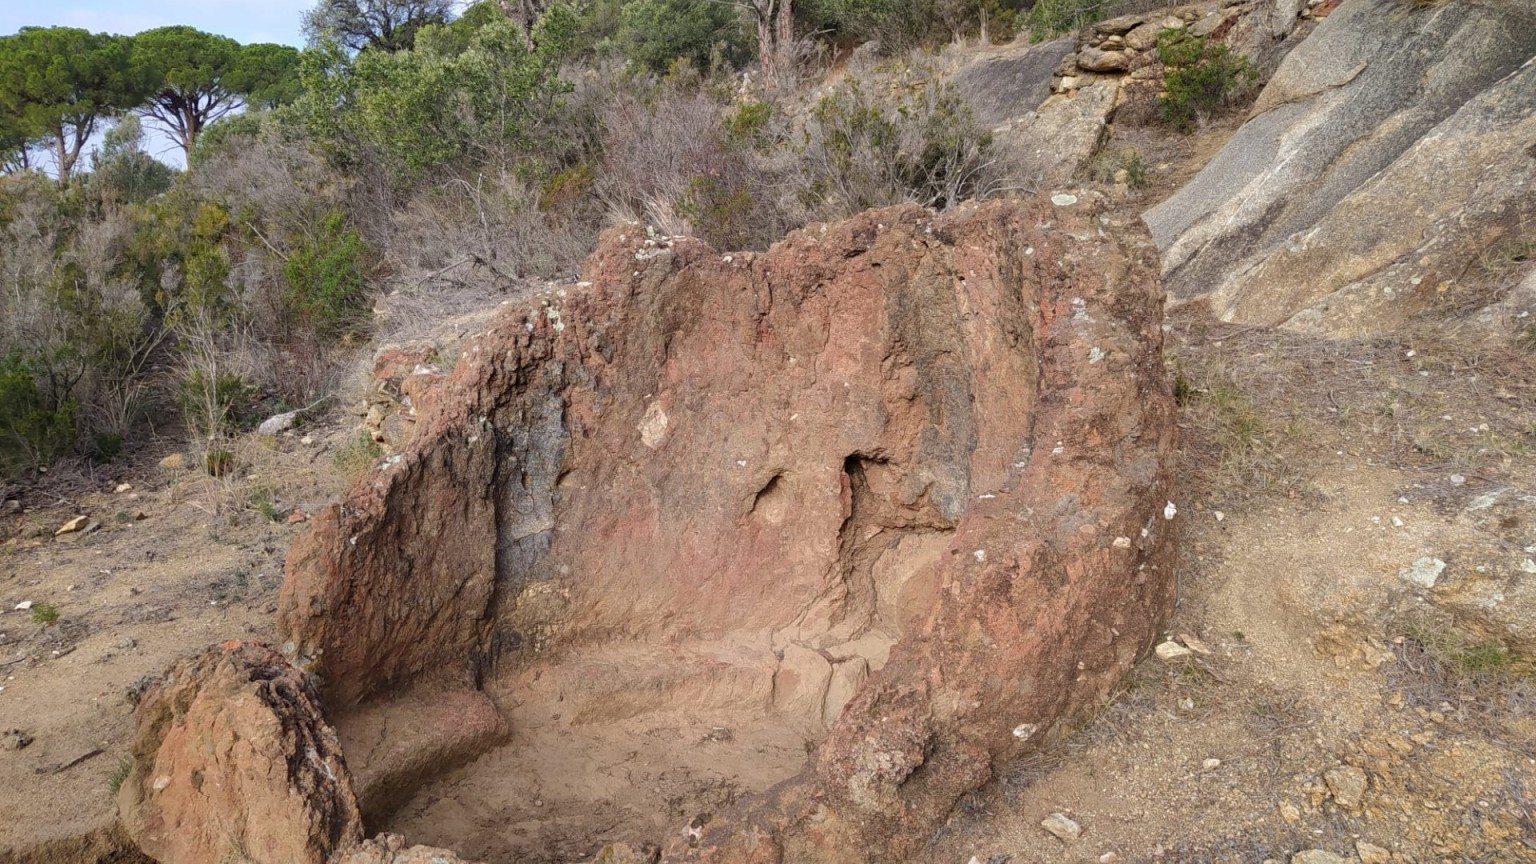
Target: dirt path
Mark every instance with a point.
(1341, 708)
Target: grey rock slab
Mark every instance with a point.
(1056, 142)
(1013, 83)
(1368, 86)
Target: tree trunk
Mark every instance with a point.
(775, 39)
(526, 13)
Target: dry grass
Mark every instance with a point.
(1476, 682)
(1258, 402)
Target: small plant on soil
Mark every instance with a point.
(119, 774)
(262, 502)
(1137, 173)
(1202, 77)
(45, 614)
(359, 454)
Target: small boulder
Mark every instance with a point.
(1062, 826)
(278, 423)
(1318, 856)
(1347, 784)
(1143, 38)
(232, 761)
(1370, 853)
(1172, 650)
(1424, 572)
(1097, 60)
(392, 849)
(76, 524)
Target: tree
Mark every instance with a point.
(775, 20)
(61, 82)
(388, 25)
(656, 32)
(16, 140)
(199, 77)
(267, 74)
(122, 171)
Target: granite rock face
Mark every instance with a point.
(1386, 152)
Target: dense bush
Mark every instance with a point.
(705, 33)
(326, 282)
(860, 151)
(34, 430)
(1202, 76)
(429, 173)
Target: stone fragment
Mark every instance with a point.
(1284, 16)
(1172, 650)
(1424, 572)
(847, 677)
(76, 524)
(278, 423)
(393, 849)
(1347, 784)
(1318, 856)
(1098, 60)
(1143, 38)
(1196, 645)
(1062, 826)
(1370, 853)
(800, 686)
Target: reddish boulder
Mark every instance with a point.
(232, 761)
(909, 471)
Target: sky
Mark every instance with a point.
(245, 21)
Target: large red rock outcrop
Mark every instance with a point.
(907, 475)
(232, 761)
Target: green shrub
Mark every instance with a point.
(1202, 77)
(653, 33)
(326, 283)
(107, 446)
(33, 431)
(748, 123)
(861, 152)
(119, 774)
(1051, 18)
(45, 614)
(722, 213)
(359, 454)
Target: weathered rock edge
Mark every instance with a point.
(1010, 391)
(232, 760)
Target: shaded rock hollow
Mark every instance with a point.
(899, 484)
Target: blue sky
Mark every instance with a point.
(244, 20)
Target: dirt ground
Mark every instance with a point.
(176, 561)
(1340, 706)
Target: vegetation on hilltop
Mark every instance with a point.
(409, 150)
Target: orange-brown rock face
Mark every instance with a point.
(232, 761)
(907, 475)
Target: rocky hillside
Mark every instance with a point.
(1178, 507)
